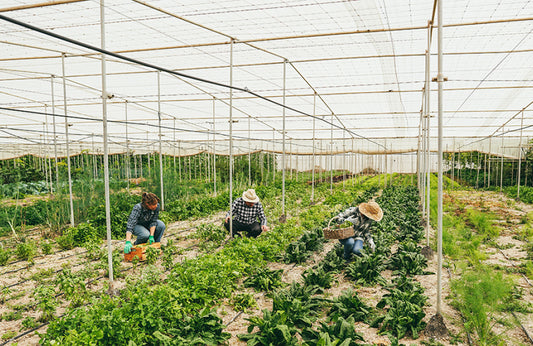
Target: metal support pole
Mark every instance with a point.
(214, 152)
(249, 156)
(501, 164)
(128, 173)
(67, 140)
(54, 125)
(283, 155)
(160, 140)
(231, 141)
(520, 156)
(427, 109)
(106, 158)
(490, 153)
(440, 80)
(331, 157)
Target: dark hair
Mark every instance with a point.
(149, 198)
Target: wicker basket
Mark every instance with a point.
(337, 233)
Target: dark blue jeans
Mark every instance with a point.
(351, 245)
(143, 233)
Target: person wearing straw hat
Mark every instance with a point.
(246, 211)
(361, 217)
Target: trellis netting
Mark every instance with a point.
(341, 78)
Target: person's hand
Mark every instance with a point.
(151, 240)
(127, 247)
(339, 219)
(227, 218)
(372, 245)
(264, 228)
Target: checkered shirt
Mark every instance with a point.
(142, 216)
(361, 228)
(246, 214)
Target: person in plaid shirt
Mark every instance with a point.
(246, 211)
(361, 217)
(143, 222)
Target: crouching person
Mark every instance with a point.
(247, 210)
(361, 217)
(143, 222)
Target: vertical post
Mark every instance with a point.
(67, 140)
(106, 158)
(214, 152)
(331, 157)
(418, 158)
(427, 109)
(283, 155)
(174, 142)
(490, 153)
(249, 156)
(160, 140)
(231, 141)
(440, 80)
(520, 156)
(501, 164)
(54, 125)
(314, 151)
(128, 173)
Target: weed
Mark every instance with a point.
(243, 301)
(29, 323)
(9, 334)
(5, 254)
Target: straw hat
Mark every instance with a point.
(250, 196)
(371, 210)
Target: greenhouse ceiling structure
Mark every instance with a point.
(297, 75)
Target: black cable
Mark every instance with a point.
(179, 74)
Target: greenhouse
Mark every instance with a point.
(300, 110)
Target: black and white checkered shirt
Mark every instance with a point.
(142, 216)
(246, 214)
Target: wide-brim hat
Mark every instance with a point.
(371, 210)
(250, 196)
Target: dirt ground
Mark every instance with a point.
(508, 212)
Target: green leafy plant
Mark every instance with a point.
(29, 323)
(299, 302)
(152, 254)
(5, 255)
(264, 279)
(243, 301)
(341, 332)
(9, 334)
(73, 286)
(46, 302)
(366, 270)
(26, 250)
(479, 294)
(408, 260)
(405, 309)
(169, 251)
(318, 276)
(274, 329)
(348, 305)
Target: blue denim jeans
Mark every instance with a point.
(351, 246)
(143, 233)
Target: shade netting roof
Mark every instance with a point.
(350, 73)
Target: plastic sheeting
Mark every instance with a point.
(358, 66)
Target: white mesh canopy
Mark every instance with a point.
(358, 67)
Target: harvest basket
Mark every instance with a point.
(140, 251)
(337, 233)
